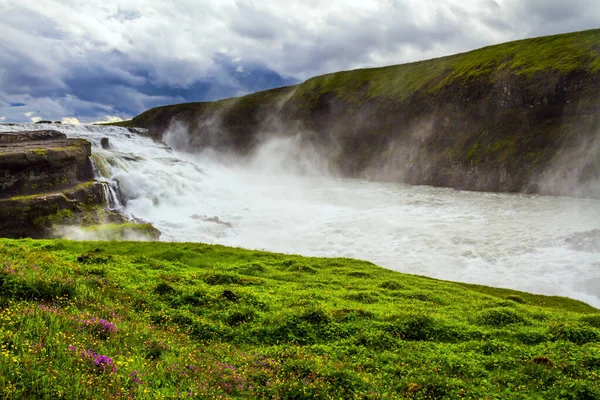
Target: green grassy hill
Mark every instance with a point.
(579, 51)
(165, 320)
(516, 117)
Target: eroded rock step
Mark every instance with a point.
(36, 215)
(47, 187)
(42, 161)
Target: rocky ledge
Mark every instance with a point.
(47, 182)
(42, 161)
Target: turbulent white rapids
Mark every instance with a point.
(514, 241)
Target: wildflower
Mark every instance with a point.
(100, 362)
(100, 326)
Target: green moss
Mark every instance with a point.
(101, 164)
(473, 151)
(61, 217)
(131, 231)
(28, 197)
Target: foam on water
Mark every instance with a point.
(504, 240)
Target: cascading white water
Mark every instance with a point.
(505, 240)
(111, 191)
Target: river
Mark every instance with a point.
(282, 201)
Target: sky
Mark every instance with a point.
(91, 60)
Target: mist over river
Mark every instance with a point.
(282, 200)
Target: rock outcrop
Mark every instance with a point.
(46, 179)
(518, 117)
(42, 161)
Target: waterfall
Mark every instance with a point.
(278, 199)
(112, 194)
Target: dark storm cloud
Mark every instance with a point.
(90, 59)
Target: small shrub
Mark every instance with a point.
(199, 298)
(490, 347)
(542, 360)
(351, 314)
(391, 285)
(376, 340)
(14, 287)
(574, 332)
(253, 269)
(593, 320)
(221, 279)
(431, 388)
(154, 349)
(88, 258)
(204, 332)
(499, 317)
(229, 295)
(423, 296)
(315, 316)
(301, 268)
(362, 297)
(358, 274)
(579, 391)
(163, 289)
(415, 327)
(240, 316)
(101, 272)
(531, 336)
(516, 299)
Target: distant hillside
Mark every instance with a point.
(517, 117)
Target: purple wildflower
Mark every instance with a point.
(100, 362)
(100, 326)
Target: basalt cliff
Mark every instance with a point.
(517, 117)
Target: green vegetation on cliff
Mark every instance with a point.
(516, 117)
(579, 51)
(165, 320)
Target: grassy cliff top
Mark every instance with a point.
(565, 53)
(167, 320)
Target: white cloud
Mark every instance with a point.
(35, 119)
(130, 44)
(2, 118)
(297, 38)
(108, 120)
(70, 121)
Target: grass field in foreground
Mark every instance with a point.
(166, 320)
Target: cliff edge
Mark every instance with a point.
(517, 117)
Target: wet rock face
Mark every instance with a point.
(47, 188)
(42, 161)
(34, 216)
(45, 178)
(27, 136)
(105, 143)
